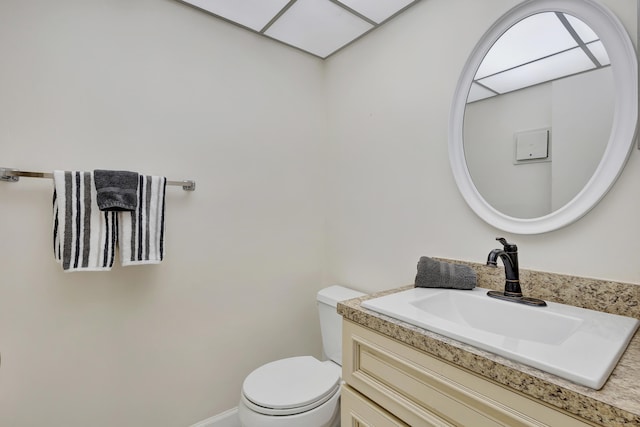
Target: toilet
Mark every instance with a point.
(300, 391)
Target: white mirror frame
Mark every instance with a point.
(624, 65)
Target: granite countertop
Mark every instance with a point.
(616, 404)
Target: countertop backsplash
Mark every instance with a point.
(601, 295)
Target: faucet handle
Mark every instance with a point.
(508, 247)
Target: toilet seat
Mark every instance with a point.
(291, 386)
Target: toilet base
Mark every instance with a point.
(326, 415)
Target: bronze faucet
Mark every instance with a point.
(512, 291)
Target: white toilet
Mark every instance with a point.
(300, 391)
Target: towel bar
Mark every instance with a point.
(13, 175)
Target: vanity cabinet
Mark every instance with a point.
(388, 383)
(358, 411)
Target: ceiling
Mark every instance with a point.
(541, 48)
(318, 27)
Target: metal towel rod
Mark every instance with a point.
(13, 175)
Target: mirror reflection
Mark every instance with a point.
(539, 114)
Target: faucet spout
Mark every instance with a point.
(492, 259)
(509, 257)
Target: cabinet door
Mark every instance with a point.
(358, 411)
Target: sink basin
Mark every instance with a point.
(574, 343)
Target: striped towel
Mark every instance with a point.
(84, 238)
(141, 232)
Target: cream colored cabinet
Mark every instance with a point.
(358, 411)
(391, 384)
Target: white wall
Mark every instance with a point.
(393, 197)
(158, 87)
(490, 125)
(581, 127)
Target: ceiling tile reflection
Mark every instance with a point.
(539, 49)
(544, 70)
(535, 37)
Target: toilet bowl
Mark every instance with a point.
(300, 391)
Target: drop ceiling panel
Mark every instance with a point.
(544, 70)
(377, 10)
(599, 52)
(533, 38)
(538, 49)
(254, 14)
(477, 92)
(585, 32)
(317, 26)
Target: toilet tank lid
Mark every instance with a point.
(334, 294)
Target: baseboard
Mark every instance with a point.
(226, 419)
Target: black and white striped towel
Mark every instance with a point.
(141, 236)
(84, 238)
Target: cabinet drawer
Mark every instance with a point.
(423, 390)
(358, 411)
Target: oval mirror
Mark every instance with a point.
(544, 115)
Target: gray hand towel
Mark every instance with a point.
(440, 274)
(116, 190)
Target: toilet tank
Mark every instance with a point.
(331, 321)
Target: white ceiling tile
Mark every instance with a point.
(598, 50)
(547, 69)
(254, 14)
(376, 10)
(317, 26)
(534, 37)
(583, 30)
(477, 92)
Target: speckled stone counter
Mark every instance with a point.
(616, 404)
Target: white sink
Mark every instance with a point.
(574, 343)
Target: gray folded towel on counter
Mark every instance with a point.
(116, 190)
(439, 274)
